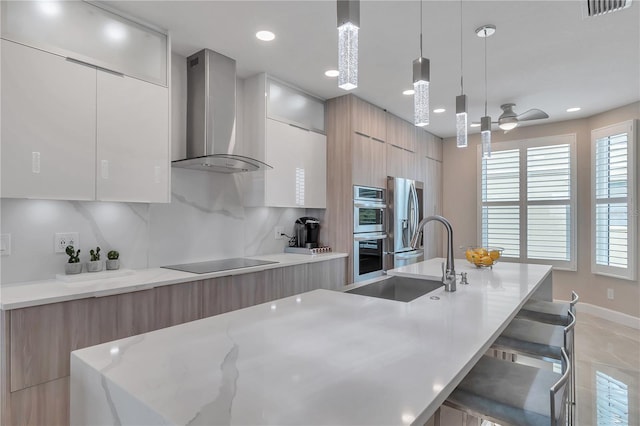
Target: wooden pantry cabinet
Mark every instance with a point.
(37, 341)
(365, 144)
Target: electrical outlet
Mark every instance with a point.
(610, 293)
(279, 230)
(63, 239)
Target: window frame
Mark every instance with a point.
(522, 145)
(630, 272)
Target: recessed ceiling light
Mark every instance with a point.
(265, 35)
(332, 73)
(475, 125)
(574, 109)
(439, 110)
(408, 92)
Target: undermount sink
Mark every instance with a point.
(402, 289)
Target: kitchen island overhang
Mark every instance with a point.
(321, 357)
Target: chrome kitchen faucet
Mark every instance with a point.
(448, 275)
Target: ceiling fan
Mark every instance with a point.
(510, 119)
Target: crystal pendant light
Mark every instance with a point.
(421, 85)
(348, 26)
(485, 122)
(461, 102)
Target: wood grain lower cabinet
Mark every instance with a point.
(36, 342)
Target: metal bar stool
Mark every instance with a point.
(549, 312)
(542, 341)
(508, 393)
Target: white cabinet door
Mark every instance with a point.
(132, 138)
(48, 125)
(298, 157)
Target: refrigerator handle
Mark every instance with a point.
(416, 210)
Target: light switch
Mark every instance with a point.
(5, 244)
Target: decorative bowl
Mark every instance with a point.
(482, 257)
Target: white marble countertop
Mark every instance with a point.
(322, 357)
(21, 295)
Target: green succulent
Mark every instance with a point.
(94, 255)
(113, 255)
(74, 257)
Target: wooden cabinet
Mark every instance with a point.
(401, 133)
(401, 163)
(299, 174)
(280, 130)
(369, 120)
(36, 342)
(48, 125)
(69, 128)
(369, 161)
(132, 140)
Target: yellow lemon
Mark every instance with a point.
(468, 254)
(494, 254)
(486, 261)
(482, 252)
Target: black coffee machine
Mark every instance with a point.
(307, 230)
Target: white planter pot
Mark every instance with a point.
(94, 266)
(113, 264)
(72, 268)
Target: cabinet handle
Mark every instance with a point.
(87, 64)
(299, 127)
(377, 140)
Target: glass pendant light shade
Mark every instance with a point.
(461, 121)
(348, 26)
(421, 88)
(485, 134)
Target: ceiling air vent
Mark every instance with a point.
(600, 7)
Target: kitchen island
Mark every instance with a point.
(322, 357)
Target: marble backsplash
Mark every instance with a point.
(205, 220)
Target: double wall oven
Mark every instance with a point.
(369, 232)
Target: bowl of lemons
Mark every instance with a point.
(482, 257)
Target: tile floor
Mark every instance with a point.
(608, 380)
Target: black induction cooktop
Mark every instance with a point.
(218, 265)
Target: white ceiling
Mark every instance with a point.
(544, 54)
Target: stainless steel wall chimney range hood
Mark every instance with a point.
(211, 116)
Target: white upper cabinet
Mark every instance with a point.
(88, 33)
(284, 128)
(72, 127)
(48, 126)
(132, 140)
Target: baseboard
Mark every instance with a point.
(608, 314)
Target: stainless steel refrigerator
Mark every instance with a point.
(404, 212)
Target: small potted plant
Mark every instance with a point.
(95, 264)
(73, 266)
(113, 261)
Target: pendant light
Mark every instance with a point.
(461, 101)
(485, 31)
(421, 85)
(348, 26)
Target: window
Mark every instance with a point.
(613, 206)
(528, 200)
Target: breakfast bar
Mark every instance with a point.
(321, 357)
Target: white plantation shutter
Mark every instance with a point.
(613, 201)
(528, 200)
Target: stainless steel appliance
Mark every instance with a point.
(368, 255)
(404, 213)
(307, 230)
(368, 209)
(369, 233)
(211, 116)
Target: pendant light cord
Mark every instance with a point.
(421, 28)
(485, 72)
(461, 63)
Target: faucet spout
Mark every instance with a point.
(449, 275)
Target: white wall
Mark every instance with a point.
(460, 205)
(205, 219)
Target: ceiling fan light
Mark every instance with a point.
(508, 125)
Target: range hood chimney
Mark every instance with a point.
(211, 116)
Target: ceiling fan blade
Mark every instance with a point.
(478, 123)
(532, 114)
